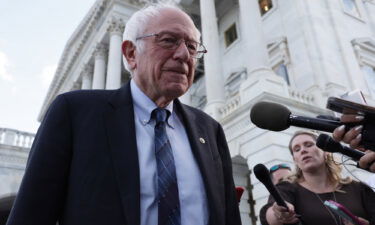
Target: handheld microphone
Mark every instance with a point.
(276, 117)
(327, 144)
(263, 175)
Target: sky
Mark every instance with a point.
(33, 35)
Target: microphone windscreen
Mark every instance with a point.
(270, 116)
(324, 142)
(262, 174)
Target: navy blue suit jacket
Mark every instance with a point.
(83, 165)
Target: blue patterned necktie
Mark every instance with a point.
(168, 201)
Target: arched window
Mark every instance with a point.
(264, 6)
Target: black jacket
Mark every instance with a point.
(83, 165)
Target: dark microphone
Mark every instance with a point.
(276, 117)
(263, 174)
(326, 143)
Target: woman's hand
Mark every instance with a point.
(353, 137)
(281, 215)
(368, 161)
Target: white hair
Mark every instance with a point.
(137, 24)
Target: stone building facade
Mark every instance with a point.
(293, 52)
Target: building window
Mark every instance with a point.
(350, 6)
(279, 58)
(282, 71)
(370, 78)
(264, 6)
(364, 49)
(230, 35)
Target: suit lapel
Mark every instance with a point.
(199, 141)
(123, 148)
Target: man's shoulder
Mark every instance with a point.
(198, 114)
(87, 94)
(85, 97)
(83, 100)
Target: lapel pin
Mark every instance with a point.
(202, 140)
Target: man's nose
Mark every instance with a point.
(181, 52)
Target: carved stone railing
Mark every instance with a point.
(16, 138)
(230, 106)
(301, 96)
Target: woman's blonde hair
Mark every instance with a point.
(332, 168)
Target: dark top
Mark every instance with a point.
(356, 196)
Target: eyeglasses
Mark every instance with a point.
(171, 42)
(279, 166)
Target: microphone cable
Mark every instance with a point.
(350, 172)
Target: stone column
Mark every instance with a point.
(115, 29)
(99, 67)
(254, 43)
(261, 81)
(87, 77)
(212, 59)
(261, 78)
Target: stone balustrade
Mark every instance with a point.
(233, 104)
(301, 96)
(16, 138)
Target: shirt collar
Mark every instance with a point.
(144, 106)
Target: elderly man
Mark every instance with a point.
(134, 155)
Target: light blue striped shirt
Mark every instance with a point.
(192, 194)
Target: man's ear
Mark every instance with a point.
(129, 52)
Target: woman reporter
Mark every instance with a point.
(316, 179)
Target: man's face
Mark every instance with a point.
(165, 74)
(279, 174)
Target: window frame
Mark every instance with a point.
(267, 12)
(359, 8)
(364, 49)
(234, 24)
(278, 52)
